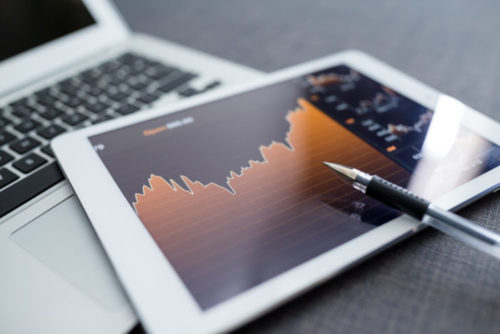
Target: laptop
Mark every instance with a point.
(67, 64)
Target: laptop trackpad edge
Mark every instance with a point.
(63, 239)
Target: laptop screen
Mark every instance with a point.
(25, 24)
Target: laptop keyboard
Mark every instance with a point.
(118, 87)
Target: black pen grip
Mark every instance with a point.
(397, 197)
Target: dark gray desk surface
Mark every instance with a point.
(429, 283)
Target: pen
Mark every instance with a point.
(421, 209)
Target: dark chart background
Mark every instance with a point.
(234, 191)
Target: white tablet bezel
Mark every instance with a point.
(161, 299)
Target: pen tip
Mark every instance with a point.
(333, 166)
(345, 172)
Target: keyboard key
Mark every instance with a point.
(27, 125)
(102, 118)
(111, 89)
(24, 145)
(70, 86)
(48, 150)
(73, 102)
(212, 85)
(127, 58)
(148, 98)
(4, 122)
(70, 82)
(110, 66)
(51, 113)
(51, 131)
(91, 76)
(74, 119)
(118, 96)
(71, 91)
(95, 91)
(145, 79)
(135, 70)
(43, 92)
(47, 101)
(159, 72)
(6, 137)
(5, 157)
(177, 80)
(138, 66)
(96, 107)
(58, 95)
(6, 177)
(29, 163)
(118, 78)
(127, 109)
(21, 102)
(188, 91)
(139, 85)
(23, 111)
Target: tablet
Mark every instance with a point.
(218, 209)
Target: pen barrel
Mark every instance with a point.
(463, 225)
(464, 230)
(397, 197)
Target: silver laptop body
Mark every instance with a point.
(55, 277)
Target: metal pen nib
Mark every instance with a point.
(357, 178)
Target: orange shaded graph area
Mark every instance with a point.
(271, 215)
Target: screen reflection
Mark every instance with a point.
(451, 154)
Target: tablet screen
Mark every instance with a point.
(234, 191)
